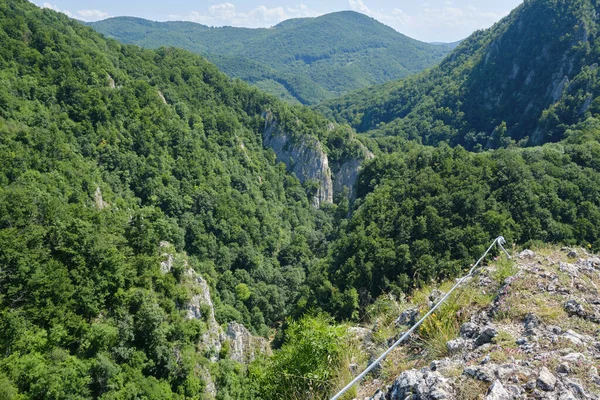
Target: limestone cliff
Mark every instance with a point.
(243, 346)
(304, 157)
(345, 173)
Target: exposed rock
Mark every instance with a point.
(346, 173)
(421, 385)
(303, 156)
(572, 254)
(560, 89)
(497, 392)
(469, 330)
(568, 352)
(486, 336)
(162, 97)
(201, 307)
(527, 254)
(484, 374)
(575, 338)
(434, 297)
(98, 200)
(531, 321)
(586, 104)
(244, 346)
(569, 269)
(210, 389)
(456, 345)
(111, 81)
(564, 368)
(545, 380)
(574, 308)
(408, 317)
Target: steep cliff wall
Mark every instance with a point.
(345, 173)
(243, 346)
(303, 157)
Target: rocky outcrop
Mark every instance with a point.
(244, 347)
(346, 173)
(98, 200)
(537, 340)
(304, 157)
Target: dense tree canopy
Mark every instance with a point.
(107, 150)
(525, 80)
(303, 60)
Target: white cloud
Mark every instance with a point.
(92, 15)
(55, 8)
(447, 23)
(358, 5)
(86, 15)
(261, 16)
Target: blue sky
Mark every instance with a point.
(429, 20)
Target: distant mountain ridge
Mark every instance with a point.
(524, 80)
(304, 60)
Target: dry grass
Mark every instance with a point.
(471, 389)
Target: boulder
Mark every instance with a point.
(545, 380)
(498, 392)
(486, 336)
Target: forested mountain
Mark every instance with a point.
(106, 150)
(161, 223)
(524, 80)
(306, 59)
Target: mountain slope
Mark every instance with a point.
(110, 155)
(525, 80)
(309, 59)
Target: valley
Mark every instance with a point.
(168, 231)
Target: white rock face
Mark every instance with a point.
(197, 307)
(303, 157)
(244, 346)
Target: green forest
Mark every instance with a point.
(491, 92)
(108, 149)
(305, 60)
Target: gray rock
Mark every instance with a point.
(567, 395)
(434, 297)
(530, 385)
(244, 346)
(564, 368)
(484, 374)
(406, 384)
(304, 156)
(531, 321)
(526, 254)
(573, 307)
(456, 345)
(498, 392)
(469, 330)
(379, 395)
(572, 254)
(570, 269)
(408, 317)
(486, 336)
(573, 357)
(545, 380)
(515, 391)
(577, 388)
(574, 337)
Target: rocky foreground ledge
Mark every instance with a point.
(538, 339)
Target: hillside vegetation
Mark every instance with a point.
(306, 60)
(152, 246)
(524, 81)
